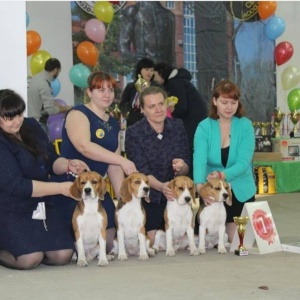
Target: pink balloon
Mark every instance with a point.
(95, 30)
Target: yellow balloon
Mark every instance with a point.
(104, 11)
(290, 77)
(38, 60)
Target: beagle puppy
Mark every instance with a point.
(89, 218)
(179, 220)
(130, 218)
(212, 218)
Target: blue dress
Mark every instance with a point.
(19, 233)
(104, 134)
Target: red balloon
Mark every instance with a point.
(283, 52)
(266, 9)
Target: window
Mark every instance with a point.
(189, 43)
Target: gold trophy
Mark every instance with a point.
(241, 224)
(264, 127)
(278, 116)
(294, 117)
(141, 84)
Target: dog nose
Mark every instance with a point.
(87, 191)
(146, 189)
(187, 199)
(225, 195)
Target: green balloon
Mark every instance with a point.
(294, 99)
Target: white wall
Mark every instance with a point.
(13, 69)
(52, 21)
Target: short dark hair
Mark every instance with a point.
(230, 90)
(11, 104)
(151, 90)
(164, 70)
(143, 63)
(51, 64)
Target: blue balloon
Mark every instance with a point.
(55, 85)
(275, 27)
(27, 19)
(79, 75)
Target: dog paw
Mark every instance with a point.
(82, 263)
(122, 257)
(143, 257)
(170, 253)
(111, 256)
(202, 250)
(222, 251)
(102, 262)
(151, 252)
(194, 252)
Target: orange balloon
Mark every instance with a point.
(266, 9)
(33, 42)
(87, 53)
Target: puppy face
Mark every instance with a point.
(184, 189)
(218, 189)
(136, 184)
(88, 185)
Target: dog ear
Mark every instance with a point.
(75, 189)
(203, 190)
(124, 190)
(229, 199)
(101, 188)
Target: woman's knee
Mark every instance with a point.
(58, 258)
(29, 261)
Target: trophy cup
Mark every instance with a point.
(141, 84)
(294, 117)
(264, 127)
(278, 116)
(241, 223)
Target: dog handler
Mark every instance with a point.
(31, 230)
(224, 147)
(159, 148)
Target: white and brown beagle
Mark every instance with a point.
(179, 220)
(212, 218)
(89, 218)
(130, 217)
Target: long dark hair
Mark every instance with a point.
(11, 105)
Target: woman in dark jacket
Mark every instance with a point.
(191, 108)
(129, 100)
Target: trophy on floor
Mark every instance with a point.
(294, 117)
(278, 116)
(241, 223)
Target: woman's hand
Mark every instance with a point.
(215, 175)
(168, 193)
(77, 166)
(179, 166)
(128, 166)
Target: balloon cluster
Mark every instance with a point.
(290, 76)
(38, 57)
(87, 51)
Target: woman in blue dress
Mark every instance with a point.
(32, 231)
(92, 135)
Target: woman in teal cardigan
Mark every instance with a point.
(224, 147)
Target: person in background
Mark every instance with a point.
(224, 148)
(158, 147)
(191, 108)
(27, 158)
(40, 99)
(129, 104)
(92, 135)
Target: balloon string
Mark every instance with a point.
(101, 48)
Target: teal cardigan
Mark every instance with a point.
(207, 155)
